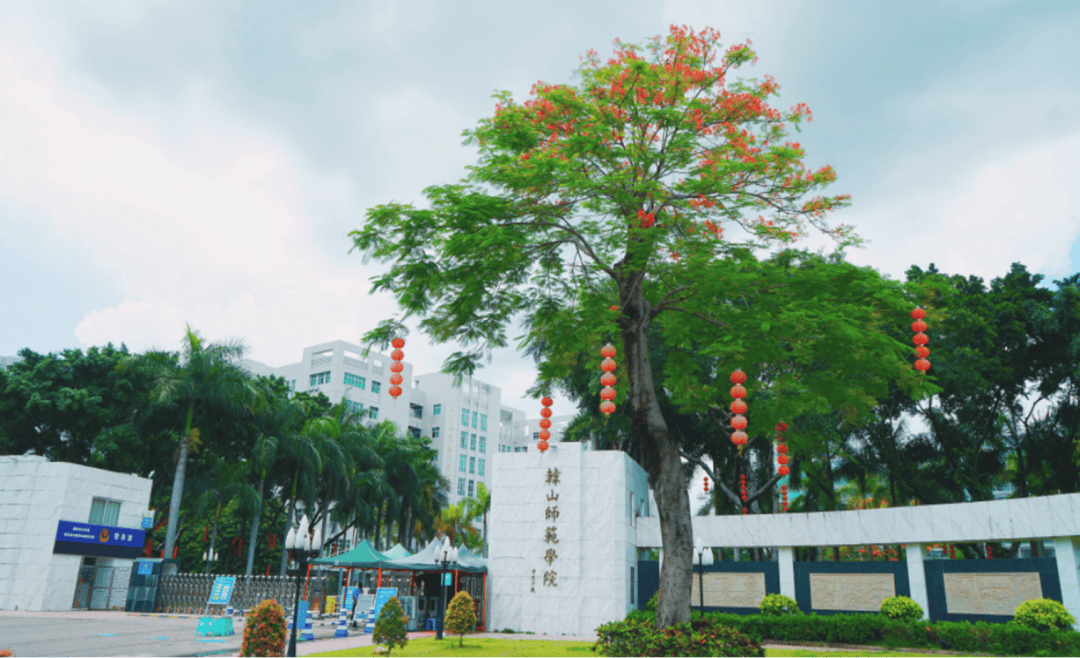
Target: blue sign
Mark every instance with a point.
(382, 595)
(146, 568)
(73, 538)
(147, 522)
(350, 597)
(223, 587)
(448, 579)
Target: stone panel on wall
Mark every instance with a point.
(989, 593)
(729, 590)
(855, 592)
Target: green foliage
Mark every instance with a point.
(651, 605)
(702, 637)
(460, 616)
(1044, 615)
(390, 626)
(902, 608)
(775, 605)
(1010, 639)
(264, 630)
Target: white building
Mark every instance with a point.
(467, 423)
(68, 534)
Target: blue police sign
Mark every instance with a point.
(223, 587)
(73, 538)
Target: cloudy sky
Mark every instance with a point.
(202, 162)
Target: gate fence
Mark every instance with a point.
(101, 588)
(190, 591)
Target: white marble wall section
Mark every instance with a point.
(598, 491)
(995, 520)
(36, 495)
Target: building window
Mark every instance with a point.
(375, 387)
(461, 486)
(474, 414)
(464, 440)
(483, 444)
(320, 378)
(104, 512)
(472, 464)
(434, 432)
(480, 467)
(375, 413)
(292, 386)
(483, 422)
(436, 410)
(415, 431)
(461, 463)
(355, 380)
(353, 406)
(464, 416)
(472, 443)
(536, 436)
(471, 484)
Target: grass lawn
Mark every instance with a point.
(429, 646)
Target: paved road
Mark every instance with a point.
(78, 633)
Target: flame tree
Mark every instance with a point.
(598, 212)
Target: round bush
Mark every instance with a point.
(390, 626)
(264, 630)
(653, 601)
(1043, 615)
(901, 608)
(778, 605)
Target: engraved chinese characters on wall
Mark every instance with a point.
(551, 532)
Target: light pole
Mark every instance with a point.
(209, 558)
(702, 558)
(302, 545)
(444, 555)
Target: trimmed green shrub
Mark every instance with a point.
(653, 601)
(264, 630)
(775, 605)
(702, 637)
(461, 616)
(390, 626)
(1043, 615)
(901, 608)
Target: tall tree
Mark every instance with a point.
(207, 374)
(598, 213)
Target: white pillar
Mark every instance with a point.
(786, 558)
(916, 576)
(1067, 554)
(736, 553)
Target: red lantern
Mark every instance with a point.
(738, 407)
(607, 407)
(544, 435)
(545, 412)
(396, 379)
(920, 339)
(918, 314)
(918, 326)
(546, 401)
(781, 459)
(781, 448)
(745, 511)
(739, 422)
(607, 365)
(607, 379)
(706, 484)
(738, 391)
(394, 391)
(397, 355)
(397, 366)
(783, 470)
(922, 351)
(738, 377)
(542, 446)
(398, 343)
(739, 438)
(922, 365)
(607, 393)
(545, 423)
(781, 427)
(607, 351)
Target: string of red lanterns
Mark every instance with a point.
(545, 423)
(607, 394)
(742, 491)
(738, 407)
(920, 339)
(396, 367)
(706, 484)
(782, 459)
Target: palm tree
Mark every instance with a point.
(479, 507)
(207, 376)
(227, 481)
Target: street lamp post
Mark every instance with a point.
(444, 555)
(303, 545)
(702, 558)
(209, 558)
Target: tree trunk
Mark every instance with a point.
(288, 526)
(325, 519)
(662, 459)
(178, 485)
(378, 525)
(213, 538)
(254, 536)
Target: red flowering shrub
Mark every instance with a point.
(264, 630)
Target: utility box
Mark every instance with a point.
(144, 586)
(409, 606)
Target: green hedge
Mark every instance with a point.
(1010, 639)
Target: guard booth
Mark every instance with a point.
(144, 584)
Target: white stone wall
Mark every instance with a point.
(35, 495)
(597, 493)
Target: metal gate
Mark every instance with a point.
(101, 588)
